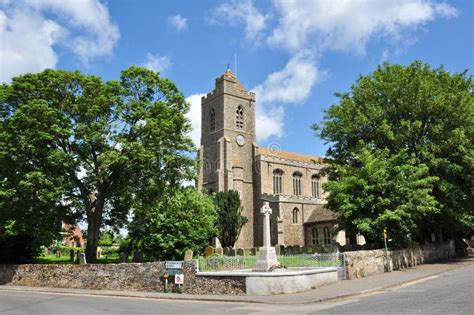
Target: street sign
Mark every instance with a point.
(172, 272)
(173, 264)
(179, 279)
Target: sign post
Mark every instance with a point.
(386, 249)
(175, 270)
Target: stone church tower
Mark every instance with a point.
(228, 146)
(292, 183)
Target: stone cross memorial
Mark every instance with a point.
(266, 255)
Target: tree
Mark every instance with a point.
(377, 191)
(183, 219)
(230, 221)
(429, 113)
(74, 145)
(109, 238)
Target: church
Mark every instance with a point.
(230, 159)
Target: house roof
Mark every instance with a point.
(290, 155)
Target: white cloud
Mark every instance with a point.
(157, 63)
(269, 122)
(179, 22)
(31, 31)
(236, 12)
(194, 115)
(293, 83)
(349, 25)
(20, 32)
(309, 28)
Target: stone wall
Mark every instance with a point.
(131, 276)
(368, 262)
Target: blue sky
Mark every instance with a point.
(293, 54)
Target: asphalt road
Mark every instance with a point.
(448, 293)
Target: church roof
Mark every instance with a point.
(320, 214)
(290, 155)
(228, 74)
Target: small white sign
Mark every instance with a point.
(173, 264)
(179, 279)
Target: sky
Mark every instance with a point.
(293, 54)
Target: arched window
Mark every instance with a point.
(212, 119)
(239, 117)
(315, 186)
(294, 215)
(277, 175)
(314, 236)
(327, 236)
(297, 183)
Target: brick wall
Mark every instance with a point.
(130, 276)
(368, 262)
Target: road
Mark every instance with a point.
(448, 293)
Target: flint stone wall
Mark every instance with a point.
(129, 276)
(369, 262)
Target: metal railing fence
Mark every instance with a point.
(236, 263)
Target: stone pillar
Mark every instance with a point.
(266, 255)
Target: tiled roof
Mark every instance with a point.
(230, 75)
(320, 214)
(290, 155)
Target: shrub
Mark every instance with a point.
(18, 249)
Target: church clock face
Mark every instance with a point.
(240, 139)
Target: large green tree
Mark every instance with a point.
(183, 219)
(377, 191)
(230, 220)
(428, 113)
(74, 145)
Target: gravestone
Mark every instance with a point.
(137, 256)
(72, 256)
(277, 250)
(123, 256)
(58, 253)
(266, 255)
(240, 252)
(232, 252)
(219, 251)
(99, 252)
(208, 251)
(82, 258)
(299, 249)
(216, 243)
(226, 251)
(253, 251)
(188, 255)
(289, 250)
(283, 250)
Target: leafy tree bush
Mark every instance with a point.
(107, 238)
(377, 190)
(420, 117)
(72, 145)
(18, 249)
(230, 220)
(182, 219)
